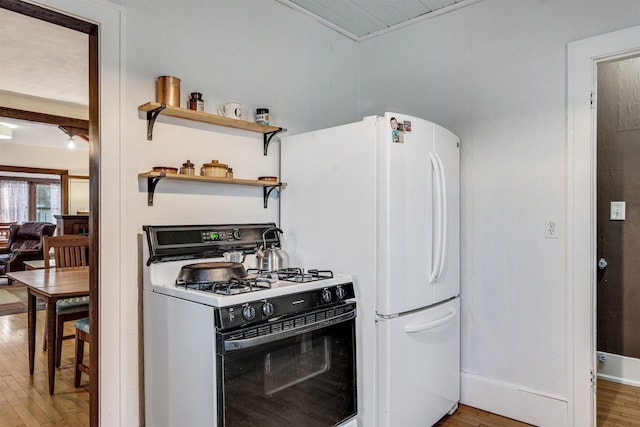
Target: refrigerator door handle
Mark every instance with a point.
(421, 327)
(433, 272)
(445, 225)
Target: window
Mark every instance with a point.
(29, 199)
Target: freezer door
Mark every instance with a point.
(418, 366)
(328, 210)
(406, 208)
(447, 156)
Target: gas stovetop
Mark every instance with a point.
(256, 280)
(172, 247)
(161, 278)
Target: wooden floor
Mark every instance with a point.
(466, 416)
(618, 404)
(25, 399)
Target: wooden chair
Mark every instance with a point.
(68, 251)
(82, 336)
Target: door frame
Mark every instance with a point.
(583, 58)
(108, 39)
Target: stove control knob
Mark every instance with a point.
(236, 234)
(267, 308)
(326, 295)
(248, 312)
(340, 292)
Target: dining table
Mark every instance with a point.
(49, 285)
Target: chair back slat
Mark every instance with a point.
(68, 251)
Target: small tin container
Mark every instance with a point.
(262, 116)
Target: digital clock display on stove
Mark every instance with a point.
(214, 236)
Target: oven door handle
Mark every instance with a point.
(239, 344)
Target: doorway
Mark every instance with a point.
(618, 239)
(584, 56)
(91, 30)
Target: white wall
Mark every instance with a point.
(494, 73)
(259, 52)
(75, 161)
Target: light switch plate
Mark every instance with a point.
(618, 211)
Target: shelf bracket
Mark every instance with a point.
(266, 192)
(152, 181)
(151, 120)
(267, 139)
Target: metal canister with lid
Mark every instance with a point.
(168, 91)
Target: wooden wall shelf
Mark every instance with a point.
(153, 109)
(154, 177)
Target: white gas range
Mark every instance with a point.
(257, 348)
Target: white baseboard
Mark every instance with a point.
(513, 401)
(619, 369)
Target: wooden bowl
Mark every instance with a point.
(268, 178)
(165, 169)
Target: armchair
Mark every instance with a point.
(25, 243)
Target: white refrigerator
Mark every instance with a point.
(380, 199)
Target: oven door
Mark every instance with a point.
(295, 372)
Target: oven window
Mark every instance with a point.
(306, 380)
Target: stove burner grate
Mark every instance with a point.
(297, 275)
(232, 286)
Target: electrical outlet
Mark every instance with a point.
(550, 229)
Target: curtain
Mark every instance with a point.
(14, 201)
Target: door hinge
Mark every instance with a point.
(592, 99)
(593, 378)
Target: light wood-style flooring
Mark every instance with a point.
(466, 416)
(25, 399)
(618, 404)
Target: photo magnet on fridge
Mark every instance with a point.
(397, 137)
(407, 126)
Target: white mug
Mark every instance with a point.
(230, 109)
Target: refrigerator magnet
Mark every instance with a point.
(397, 137)
(407, 126)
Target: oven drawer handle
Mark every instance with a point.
(232, 345)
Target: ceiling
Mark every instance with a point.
(363, 19)
(40, 134)
(42, 61)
